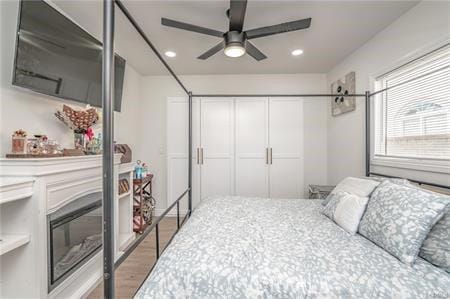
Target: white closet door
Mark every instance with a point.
(286, 143)
(251, 119)
(217, 143)
(177, 150)
(196, 182)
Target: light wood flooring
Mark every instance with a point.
(133, 271)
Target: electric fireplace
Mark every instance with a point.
(74, 236)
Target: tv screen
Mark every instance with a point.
(56, 57)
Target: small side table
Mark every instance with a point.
(143, 203)
(319, 191)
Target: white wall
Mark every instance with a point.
(420, 29)
(33, 112)
(156, 89)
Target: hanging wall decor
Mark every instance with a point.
(343, 86)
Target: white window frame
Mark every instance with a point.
(419, 168)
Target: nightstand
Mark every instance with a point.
(319, 191)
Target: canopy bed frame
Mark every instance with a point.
(108, 152)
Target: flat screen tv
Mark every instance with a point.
(56, 57)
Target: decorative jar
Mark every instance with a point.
(79, 140)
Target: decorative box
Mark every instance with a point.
(19, 145)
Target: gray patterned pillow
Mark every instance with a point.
(398, 218)
(436, 247)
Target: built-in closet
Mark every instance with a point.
(241, 146)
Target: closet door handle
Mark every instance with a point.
(267, 155)
(202, 156)
(198, 155)
(271, 156)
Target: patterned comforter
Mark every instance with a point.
(234, 247)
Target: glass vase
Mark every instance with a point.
(79, 140)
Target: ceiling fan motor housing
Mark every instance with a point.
(234, 38)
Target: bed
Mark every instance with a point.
(235, 247)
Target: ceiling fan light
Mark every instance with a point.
(234, 50)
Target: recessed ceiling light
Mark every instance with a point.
(297, 52)
(170, 54)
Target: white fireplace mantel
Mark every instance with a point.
(30, 190)
(47, 166)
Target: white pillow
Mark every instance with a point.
(346, 210)
(349, 212)
(356, 186)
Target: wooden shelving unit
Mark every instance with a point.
(142, 203)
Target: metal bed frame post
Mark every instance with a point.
(367, 98)
(190, 155)
(108, 149)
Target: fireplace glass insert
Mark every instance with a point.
(75, 235)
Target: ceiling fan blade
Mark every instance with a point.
(280, 28)
(254, 52)
(212, 51)
(190, 27)
(237, 14)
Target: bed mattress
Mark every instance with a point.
(235, 247)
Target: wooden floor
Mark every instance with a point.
(133, 271)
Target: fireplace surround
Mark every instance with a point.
(50, 200)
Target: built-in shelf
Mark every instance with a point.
(126, 194)
(125, 240)
(126, 167)
(12, 189)
(9, 242)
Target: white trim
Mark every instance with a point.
(47, 166)
(435, 166)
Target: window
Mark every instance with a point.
(412, 117)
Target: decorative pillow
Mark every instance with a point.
(356, 186)
(398, 218)
(398, 181)
(346, 210)
(436, 247)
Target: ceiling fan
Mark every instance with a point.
(235, 42)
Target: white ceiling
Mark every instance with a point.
(338, 28)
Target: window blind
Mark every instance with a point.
(412, 117)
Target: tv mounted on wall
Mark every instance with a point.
(56, 57)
